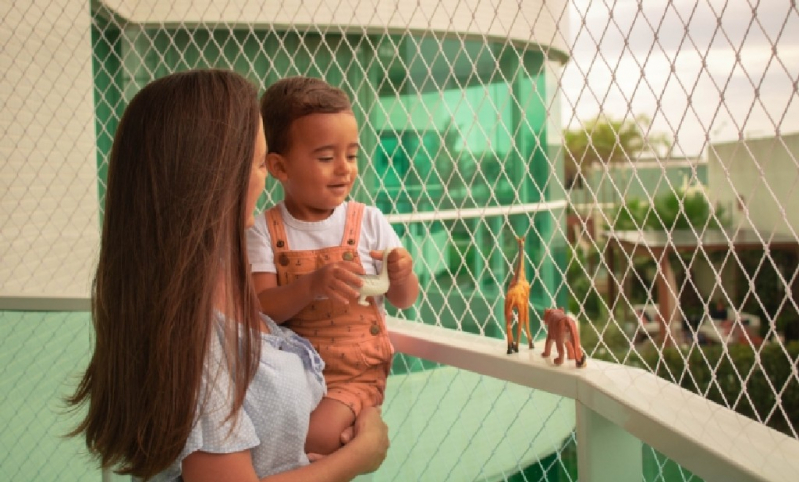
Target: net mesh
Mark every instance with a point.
(645, 153)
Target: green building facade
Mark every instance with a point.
(449, 125)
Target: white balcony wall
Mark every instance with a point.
(533, 22)
(48, 179)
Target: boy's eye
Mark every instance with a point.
(326, 159)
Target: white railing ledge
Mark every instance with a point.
(712, 441)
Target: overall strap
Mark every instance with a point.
(277, 230)
(352, 228)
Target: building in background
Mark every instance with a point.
(756, 180)
(458, 118)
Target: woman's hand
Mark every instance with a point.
(369, 436)
(346, 437)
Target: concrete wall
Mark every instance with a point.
(757, 181)
(48, 180)
(48, 176)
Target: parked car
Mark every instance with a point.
(646, 324)
(704, 328)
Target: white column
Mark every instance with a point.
(605, 451)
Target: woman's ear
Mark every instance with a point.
(276, 165)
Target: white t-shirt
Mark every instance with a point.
(376, 234)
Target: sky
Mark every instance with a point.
(702, 70)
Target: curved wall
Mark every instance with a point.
(542, 23)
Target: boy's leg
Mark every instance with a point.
(328, 421)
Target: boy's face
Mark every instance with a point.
(321, 165)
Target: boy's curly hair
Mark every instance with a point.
(293, 97)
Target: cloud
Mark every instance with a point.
(701, 70)
(670, 26)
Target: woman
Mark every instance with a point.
(187, 379)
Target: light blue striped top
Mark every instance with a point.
(273, 423)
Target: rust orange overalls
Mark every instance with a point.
(350, 338)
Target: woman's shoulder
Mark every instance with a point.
(283, 340)
(281, 333)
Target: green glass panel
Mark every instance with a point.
(445, 124)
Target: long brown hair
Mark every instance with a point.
(173, 232)
(293, 97)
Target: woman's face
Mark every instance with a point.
(258, 174)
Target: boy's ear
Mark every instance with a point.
(276, 165)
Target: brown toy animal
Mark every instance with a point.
(516, 298)
(562, 330)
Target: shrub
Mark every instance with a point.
(584, 299)
(739, 377)
(602, 339)
(677, 209)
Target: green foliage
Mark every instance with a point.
(769, 272)
(736, 376)
(606, 140)
(696, 211)
(677, 209)
(631, 215)
(584, 299)
(670, 215)
(602, 338)
(681, 208)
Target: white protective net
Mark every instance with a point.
(647, 152)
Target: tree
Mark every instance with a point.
(686, 207)
(606, 141)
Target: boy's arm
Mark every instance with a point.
(337, 281)
(404, 294)
(281, 302)
(403, 284)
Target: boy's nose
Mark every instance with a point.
(343, 165)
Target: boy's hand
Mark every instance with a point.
(400, 264)
(338, 281)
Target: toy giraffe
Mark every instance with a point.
(516, 298)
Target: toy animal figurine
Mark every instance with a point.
(562, 330)
(516, 298)
(374, 284)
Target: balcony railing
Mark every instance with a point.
(618, 408)
(613, 410)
